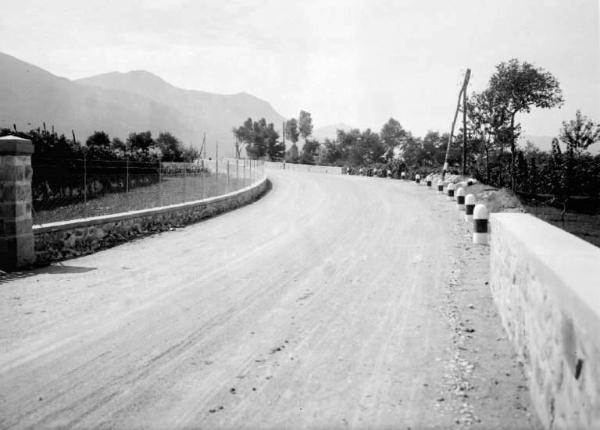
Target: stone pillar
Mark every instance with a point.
(16, 234)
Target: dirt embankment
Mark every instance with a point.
(495, 199)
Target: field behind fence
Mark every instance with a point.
(63, 191)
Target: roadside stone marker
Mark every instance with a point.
(450, 189)
(469, 206)
(480, 224)
(460, 198)
(440, 187)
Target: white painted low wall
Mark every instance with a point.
(546, 284)
(330, 170)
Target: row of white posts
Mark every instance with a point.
(477, 214)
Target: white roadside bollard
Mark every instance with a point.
(440, 187)
(428, 182)
(460, 198)
(480, 225)
(450, 190)
(469, 206)
(403, 175)
(418, 179)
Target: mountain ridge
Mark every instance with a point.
(123, 102)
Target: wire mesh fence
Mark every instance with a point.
(78, 188)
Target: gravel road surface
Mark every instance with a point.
(332, 302)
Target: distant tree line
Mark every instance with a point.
(63, 168)
(492, 131)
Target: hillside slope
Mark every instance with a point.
(120, 103)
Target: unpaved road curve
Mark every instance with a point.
(321, 305)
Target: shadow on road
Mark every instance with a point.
(55, 269)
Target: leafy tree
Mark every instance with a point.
(189, 154)
(292, 155)
(580, 133)
(97, 147)
(118, 145)
(260, 139)
(487, 123)
(170, 147)
(373, 147)
(139, 144)
(258, 148)
(98, 139)
(433, 149)
(245, 132)
(275, 149)
(556, 168)
(332, 153)
(291, 130)
(309, 151)
(392, 134)
(305, 126)
(412, 151)
(346, 141)
(517, 87)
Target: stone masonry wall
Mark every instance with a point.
(545, 284)
(58, 241)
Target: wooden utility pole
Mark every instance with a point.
(203, 147)
(461, 96)
(464, 151)
(237, 148)
(283, 132)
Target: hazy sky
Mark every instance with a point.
(354, 61)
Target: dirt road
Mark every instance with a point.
(332, 302)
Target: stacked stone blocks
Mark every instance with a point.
(16, 237)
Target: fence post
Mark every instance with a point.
(217, 170)
(184, 181)
(203, 178)
(160, 183)
(227, 190)
(16, 233)
(127, 174)
(85, 182)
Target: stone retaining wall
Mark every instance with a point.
(546, 284)
(61, 240)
